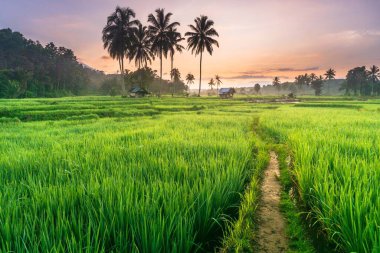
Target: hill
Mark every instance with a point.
(29, 69)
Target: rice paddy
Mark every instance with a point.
(101, 174)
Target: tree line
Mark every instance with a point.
(126, 38)
(359, 81)
(29, 69)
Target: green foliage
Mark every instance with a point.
(126, 184)
(336, 160)
(28, 69)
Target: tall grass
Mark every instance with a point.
(135, 184)
(336, 167)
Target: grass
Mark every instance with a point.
(336, 156)
(169, 182)
(100, 174)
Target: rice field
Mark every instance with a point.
(101, 174)
(113, 175)
(336, 161)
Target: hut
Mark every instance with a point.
(226, 92)
(137, 92)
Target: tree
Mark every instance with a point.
(357, 80)
(141, 47)
(277, 83)
(200, 38)
(329, 75)
(218, 82)
(190, 78)
(211, 83)
(373, 76)
(175, 39)
(257, 88)
(118, 35)
(317, 85)
(161, 34)
(313, 77)
(39, 71)
(176, 78)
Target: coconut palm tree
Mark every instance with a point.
(211, 83)
(313, 77)
(141, 48)
(175, 45)
(190, 78)
(218, 82)
(176, 78)
(373, 75)
(118, 35)
(200, 38)
(329, 75)
(277, 83)
(175, 75)
(161, 34)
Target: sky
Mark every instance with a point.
(259, 39)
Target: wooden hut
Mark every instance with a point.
(137, 92)
(226, 92)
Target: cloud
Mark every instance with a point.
(293, 69)
(244, 77)
(285, 69)
(105, 57)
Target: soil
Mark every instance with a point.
(271, 236)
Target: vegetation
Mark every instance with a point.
(118, 35)
(109, 191)
(201, 39)
(100, 186)
(28, 69)
(334, 165)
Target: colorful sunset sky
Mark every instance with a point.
(258, 39)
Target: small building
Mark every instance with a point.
(138, 92)
(226, 92)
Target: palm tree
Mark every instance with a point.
(175, 75)
(161, 34)
(174, 45)
(200, 38)
(218, 82)
(276, 83)
(313, 77)
(118, 35)
(373, 75)
(190, 78)
(330, 74)
(141, 48)
(211, 83)
(176, 78)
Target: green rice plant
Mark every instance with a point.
(140, 184)
(336, 160)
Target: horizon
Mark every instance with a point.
(257, 40)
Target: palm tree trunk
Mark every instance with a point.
(159, 91)
(171, 70)
(122, 75)
(200, 75)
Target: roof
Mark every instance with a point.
(138, 89)
(226, 90)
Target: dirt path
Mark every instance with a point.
(271, 236)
